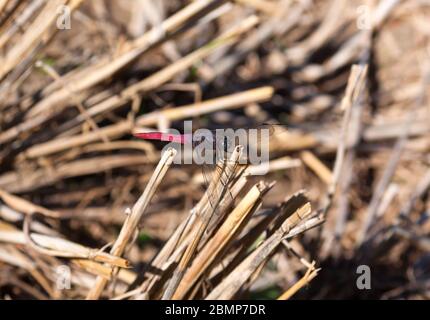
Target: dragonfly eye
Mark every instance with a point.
(198, 139)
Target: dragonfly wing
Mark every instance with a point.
(218, 186)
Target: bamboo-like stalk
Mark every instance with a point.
(59, 247)
(14, 181)
(231, 284)
(3, 4)
(310, 274)
(132, 220)
(225, 38)
(24, 206)
(223, 103)
(125, 275)
(14, 257)
(159, 78)
(317, 166)
(65, 143)
(353, 91)
(232, 225)
(103, 69)
(216, 192)
(235, 100)
(22, 19)
(30, 39)
(54, 103)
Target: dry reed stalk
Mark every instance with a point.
(14, 257)
(39, 113)
(352, 48)
(215, 193)
(286, 17)
(265, 6)
(105, 68)
(132, 220)
(150, 153)
(98, 269)
(113, 131)
(224, 175)
(18, 182)
(180, 239)
(10, 215)
(236, 279)
(226, 204)
(24, 206)
(161, 261)
(309, 275)
(30, 40)
(224, 235)
(159, 78)
(317, 166)
(58, 247)
(422, 242)
(393, 161)
(306, 225)
(20, 21)
(64, 143)
(353, 91)
(250, 240)
(332, 21)
(76, 100)
(3, 4)
(94, 268)
(422, 187)
(197, 109)
(293, 140)
(183, 234)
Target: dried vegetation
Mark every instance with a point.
(348, 183)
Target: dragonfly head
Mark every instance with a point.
(202, 137)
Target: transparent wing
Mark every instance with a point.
(216, 184)
(218, 188)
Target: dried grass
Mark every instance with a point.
(347, 183)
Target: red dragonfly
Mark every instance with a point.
(212, 138)
(218, 143)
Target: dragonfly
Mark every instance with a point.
(216, 147)
(222, 140)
